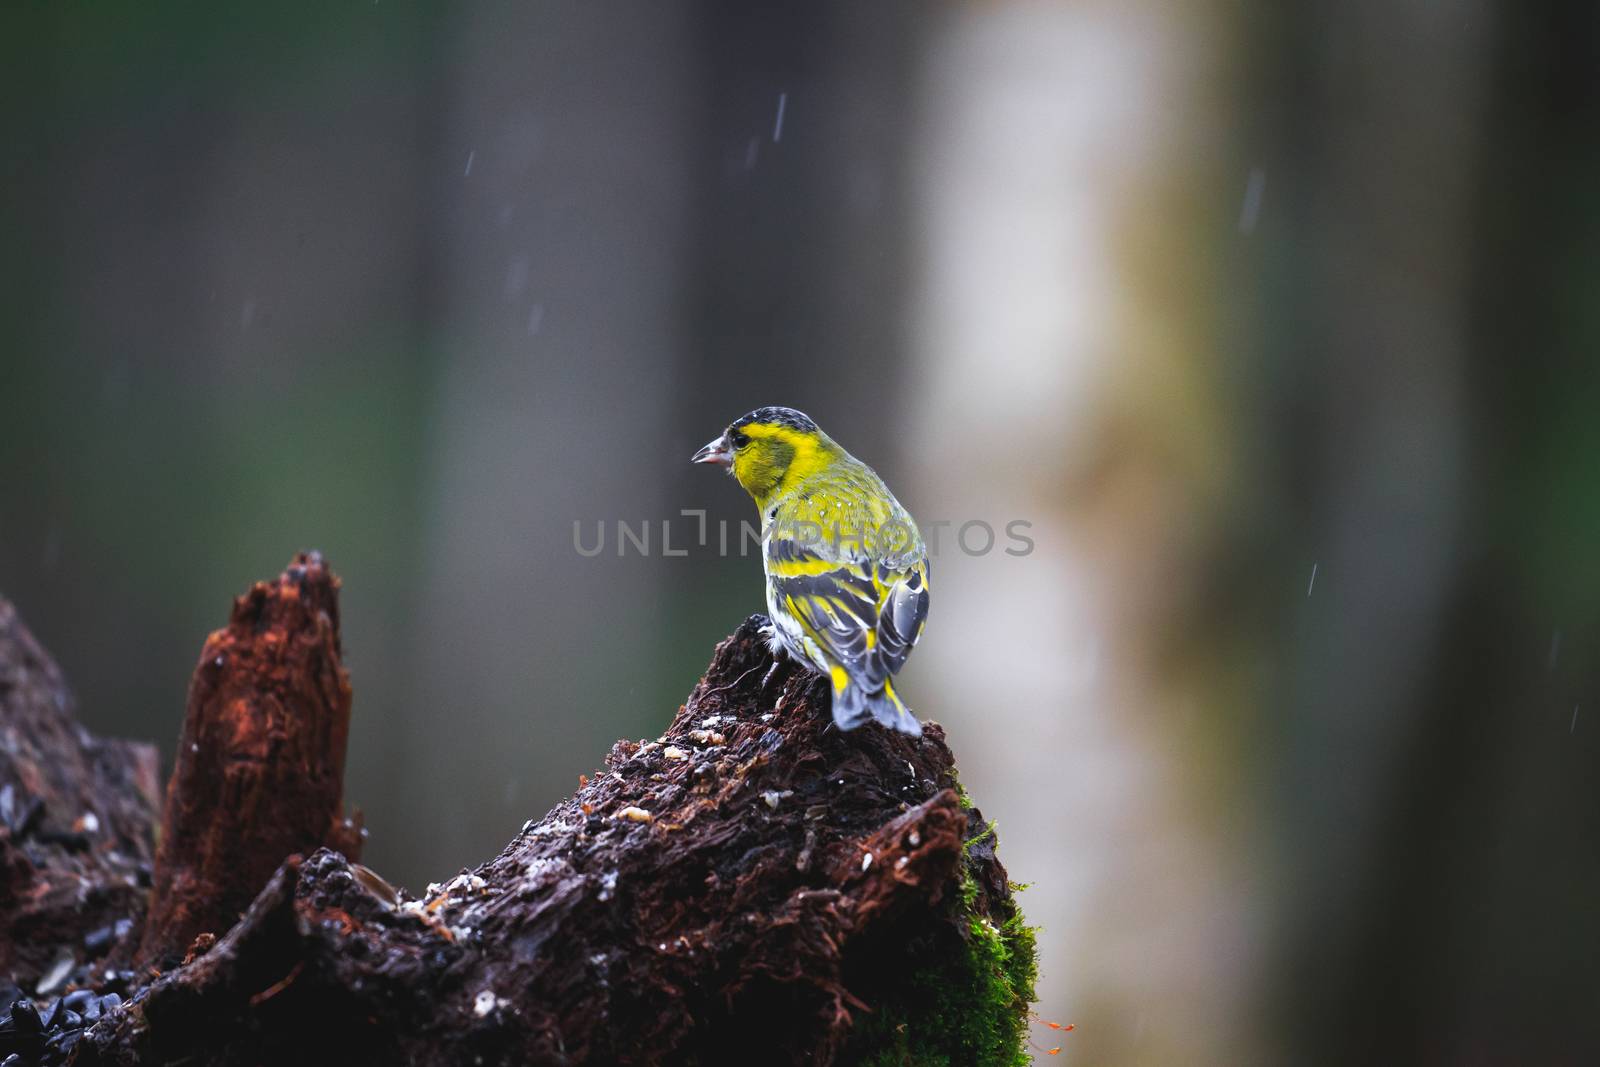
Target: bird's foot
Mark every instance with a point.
(768, 632)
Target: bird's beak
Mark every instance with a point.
(716, 452)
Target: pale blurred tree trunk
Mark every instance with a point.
(1206, 334)
(1437, 793)
(1070, 185)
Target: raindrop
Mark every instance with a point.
(777, 124)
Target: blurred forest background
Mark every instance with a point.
(1279, 323)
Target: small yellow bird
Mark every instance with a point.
(847, 573)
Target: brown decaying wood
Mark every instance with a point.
(76, 819)
(745, 889)
(742, 890)
(259, 774)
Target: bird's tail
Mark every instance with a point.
(853, 706)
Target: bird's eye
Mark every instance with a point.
(738, 438)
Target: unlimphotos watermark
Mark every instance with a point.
(973, 537)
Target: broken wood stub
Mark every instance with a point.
(77, 819)
(259, 773)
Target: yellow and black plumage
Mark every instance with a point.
(847, 572)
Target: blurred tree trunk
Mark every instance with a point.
(1440, 786)
(561, 232)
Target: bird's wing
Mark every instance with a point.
(902, 613)
(864, 616)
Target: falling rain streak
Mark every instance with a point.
(1250, 210)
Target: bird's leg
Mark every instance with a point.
(769, 633)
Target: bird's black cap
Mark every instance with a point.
(794, 420)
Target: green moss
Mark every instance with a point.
(967, 1008)
(961, 792)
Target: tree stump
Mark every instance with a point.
(754, 886)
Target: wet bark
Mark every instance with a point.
(753, 887)
(77, 821)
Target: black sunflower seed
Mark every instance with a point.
(25, 1017)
